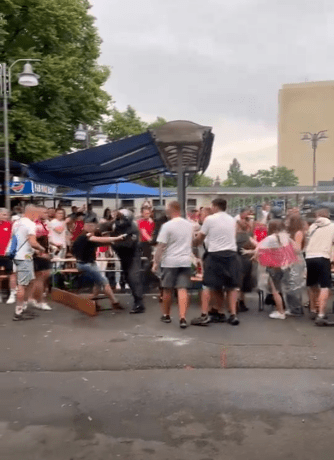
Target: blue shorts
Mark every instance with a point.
(93, 273)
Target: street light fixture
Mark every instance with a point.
(314, 138)
(84, 134)
(26, 78)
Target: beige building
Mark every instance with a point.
(306, 107)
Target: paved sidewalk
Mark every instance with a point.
(67, 340)
(120, 386)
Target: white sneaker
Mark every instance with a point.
(118, 287)
(11, 298)
(277, 315)
(33, 303)
(127, 286)
(43, 306)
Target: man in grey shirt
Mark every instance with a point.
(174, 251)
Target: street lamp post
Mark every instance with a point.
(84, 134)
(26, 78)
(315, 138)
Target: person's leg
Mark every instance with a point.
(277, 297)
(322, 301)
(109, 292)
(19, 299)
(232, 297)
(183, 300)
(205, 300)
(218, 297)
(134, 278)
(13, 288)
(313, 293)
(38, 287)
(167, 297)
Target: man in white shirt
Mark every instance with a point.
(174, 251)
(221, 266)
(318, 255)
(24, 230)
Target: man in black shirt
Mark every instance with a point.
(84, 250)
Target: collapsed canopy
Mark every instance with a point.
(130, 157)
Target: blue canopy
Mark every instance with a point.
(131, 157)
(122, 190)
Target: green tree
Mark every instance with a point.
(201, 180)
(63, 35)
(235, 176)
(276, 176)
(128, 123)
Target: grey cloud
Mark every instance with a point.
(190, 59)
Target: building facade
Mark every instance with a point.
(306, 107)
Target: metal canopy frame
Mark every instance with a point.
(185, 148)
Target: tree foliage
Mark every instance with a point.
(276, 176)
(128, 123)
(63, 36)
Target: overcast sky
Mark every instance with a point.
(216, 62)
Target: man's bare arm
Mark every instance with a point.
(199, 239)
(34, 244)
(161, 247)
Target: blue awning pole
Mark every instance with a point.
(116, 195)
(161, 179)
(87, 198)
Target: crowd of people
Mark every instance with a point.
(229, 255)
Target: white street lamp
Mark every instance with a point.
(80, 134)
(26, 78)
(100, 135)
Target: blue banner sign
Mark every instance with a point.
(29, 187)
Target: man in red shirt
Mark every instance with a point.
(5, 262)
(146, 228)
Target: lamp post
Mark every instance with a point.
(314, 138)
(84, 134)
(26, 78)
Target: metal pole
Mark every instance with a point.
(314, 168)
(116, 196)
(87, 138)
(181, 183)
(161, 179)
(6, 135)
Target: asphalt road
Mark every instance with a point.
(130, 387)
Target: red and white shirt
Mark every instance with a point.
(5, 236)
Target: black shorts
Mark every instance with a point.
(41, 264)
(175, 278)
(319, 272)
(222, 270)
(7, 263)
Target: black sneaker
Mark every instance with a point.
(137, 309)
(242, 307)
(313, 315)
(22, 317)
(321, 321)
(30, 312)
(218, 318)
(183, 323)
(203, 320)
(233, 320)
(165, 319)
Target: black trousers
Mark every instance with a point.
(131, 266)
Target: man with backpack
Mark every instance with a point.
(23, 245)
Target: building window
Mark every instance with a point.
(128, 204)
(191, 202)
(96, 203)
(157, 203)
